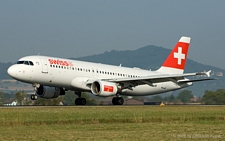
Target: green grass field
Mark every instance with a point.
(113, 123)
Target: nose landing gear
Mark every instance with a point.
(33, 97)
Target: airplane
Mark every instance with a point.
(51, 76)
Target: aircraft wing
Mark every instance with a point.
(177, 78)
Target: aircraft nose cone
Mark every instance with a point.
(11, 71)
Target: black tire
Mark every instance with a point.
(120, 101)
(77, 101)
(114, 101)
(83, 101)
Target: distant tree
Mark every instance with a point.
(19, 96)
(89, 100)
(45, 102)
(214, 98)
(101, 102)
(157, 98)
(41, 101)
(171, 98)
(2, 99)
(69, 98)
(185, 96)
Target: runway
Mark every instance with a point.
(88, 106)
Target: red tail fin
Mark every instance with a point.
(175, 62)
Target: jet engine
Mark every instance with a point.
(49, 92)
(103, 88)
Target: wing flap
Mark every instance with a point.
(195, 80)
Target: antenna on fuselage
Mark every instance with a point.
(120, 65)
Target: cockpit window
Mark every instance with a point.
(31, 63)
(26, 63)
(20, 62)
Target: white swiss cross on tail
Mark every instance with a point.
(179, 55)
(175, 62)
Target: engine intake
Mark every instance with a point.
(49, 92)
(103, 88)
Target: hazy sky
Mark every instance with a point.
(72, 28)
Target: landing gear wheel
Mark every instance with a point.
(80, 101)
(114, 101)
(120, 101)
(77, 101)
(117, 101)
(33, 97)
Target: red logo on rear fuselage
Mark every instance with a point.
(60, 62)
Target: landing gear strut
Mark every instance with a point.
(34, 96)
(79, 100)
(117, 101)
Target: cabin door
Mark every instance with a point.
(44, 66)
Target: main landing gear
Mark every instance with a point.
(117, 101)
(79, 100)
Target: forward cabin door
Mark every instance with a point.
(44, 66)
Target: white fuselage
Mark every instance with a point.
(73, 75)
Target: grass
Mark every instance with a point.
(113, 123)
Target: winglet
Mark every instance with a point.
(208, 73)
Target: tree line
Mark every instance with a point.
(209, 98)
(185, 96)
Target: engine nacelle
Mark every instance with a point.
(49, 92)
(102, 88)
